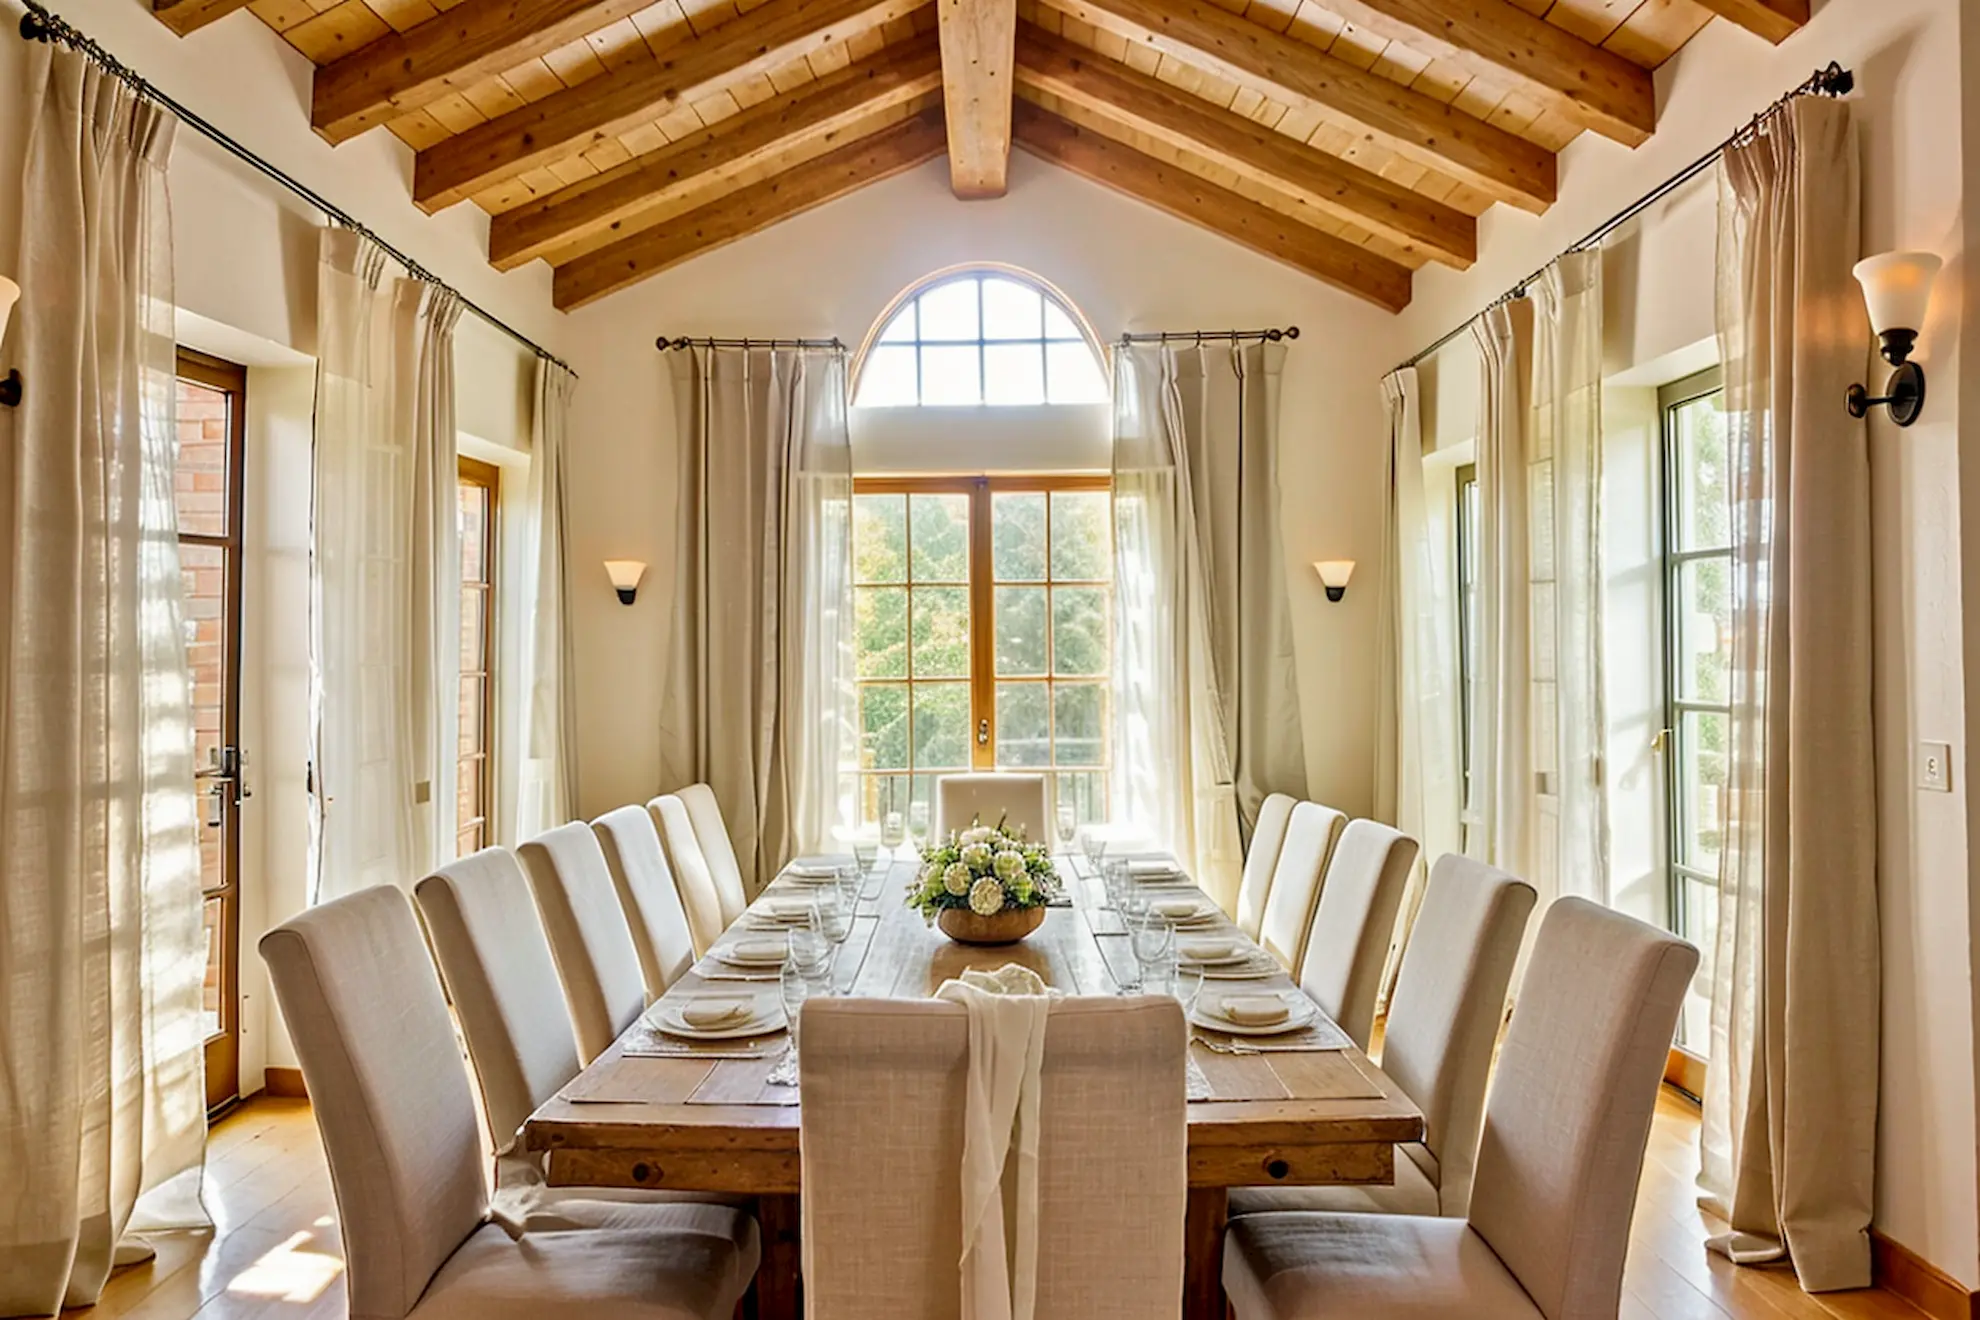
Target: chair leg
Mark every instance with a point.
(1203, 1254)
(778, 1290)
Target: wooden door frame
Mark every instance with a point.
(488, 476)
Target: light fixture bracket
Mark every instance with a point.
(1896, 345)
(10, 389)
(627, 595)
(1336, 593)
(1904, 393)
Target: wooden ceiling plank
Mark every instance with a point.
(539, 227)
(648, 89)
(1230, 215)
(1596, 88)
(1776, 20)
(978, 42)
(186, 16)
(744, 212)
(1292, 72)
(1330, 184)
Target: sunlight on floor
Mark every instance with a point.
(288, 1273)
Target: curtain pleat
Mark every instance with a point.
(547, 793)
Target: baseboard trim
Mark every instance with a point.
(1903, 1273)
(285, 1084)
(1685, 1071)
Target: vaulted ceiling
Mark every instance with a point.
(1355, 140)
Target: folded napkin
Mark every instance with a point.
(813, 870)
(1252, 1010)
(786, 909)
(1154, 867)
(717, 1010)
(1207, 948)
(762, 949)
(1176, 909)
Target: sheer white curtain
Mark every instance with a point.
(384, 570)
(1203, 656)
(102, 951)
(759, 685)
(547, 793)
(1791, 1094)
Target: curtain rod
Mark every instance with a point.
(1200, 336)
(1831, 81)
(42, 24)
(663, 343)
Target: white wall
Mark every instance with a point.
(832, 272)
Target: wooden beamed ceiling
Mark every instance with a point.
(1354, 140)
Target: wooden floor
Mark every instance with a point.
(274, 1254)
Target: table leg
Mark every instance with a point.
(778, 1295)
(1203, 1254)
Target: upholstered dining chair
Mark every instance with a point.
(1311, 830)
(371, 1032)
(712, 833)
(693, 881)
(589, 938)
(881, 1142)
(1558, 1161)
(1268, 835)
(631, 843)
(1017, 800)
(1443, 1025)
(1354, 922)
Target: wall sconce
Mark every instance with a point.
(10, 388)
(1897, 287)
(625, 575)
(1334, 575)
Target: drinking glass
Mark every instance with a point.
(1068, 827)
(850, 885)
(1095, 848)
(892, 831)
(1154, 942)
(1189, 985)
(795, 987)
(918, 819)
(829, 919)
(810, 952)
(865, 853)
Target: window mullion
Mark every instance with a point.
(982, 630)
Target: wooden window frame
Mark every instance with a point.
(474, 472)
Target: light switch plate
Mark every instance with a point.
(1935, 766)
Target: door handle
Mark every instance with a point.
(983, 733)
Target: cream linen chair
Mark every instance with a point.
(1558, 1162)
(693, 881)
(712, 833)
(652, 904)
(1302, 868)
(882, 1123)
(1267, 837)
(371, 1032)
(1443, 1023)
(1354, 923)
(1017, 800)
(589, 938)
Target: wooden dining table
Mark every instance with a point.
(712, 1121)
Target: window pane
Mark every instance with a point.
(211, 998)
(472, 633)
(1071, 374)
(880, 794)
(883, 726)
(1079, 723)
(1700, 788)
(473, 709)
(1700, 479)
(1698, 921)
(1058, 325)
(203, 570)
(1017, 524)
(880, 631)
(951, 376)
(1011, 310)
(900, 330)
(201, 478)
(1020, 630)
(940, 537)
(948, 311)
(941, 726)
(469, 841)
(1023, 732)
(468, 781)
(1013, 375)
(1086, 793)
(473, 523)
(880, 538)
(1702, 615)
(941, 632)
(1082, 535)
(1079, 631)
(887, 378)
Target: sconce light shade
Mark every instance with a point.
(1897, 288)
(625, 575)
(1334, 575)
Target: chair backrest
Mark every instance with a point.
(1444, 1015)
(1267, 837)
(631, 842)
(1353, 923)
(378, 1056)
(883, 1089)
(712, 833)
(1017, 800)
(1296, 881)
(693, 881)
(589, 938)
(488, 939)
(1570, 1109)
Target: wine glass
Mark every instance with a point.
(892, 831)
(1095, 846)
(794, 987)
(1068, 822)
(829, 919)
(865, 853)
(1154, 942)
(810, 952)
(918, 819)
(1189, 985)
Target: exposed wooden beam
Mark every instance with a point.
(184, 16)
(1345, 191)
(1414, 125)
(1776, 20)
(615, 201)
(403, 71)
(1595, 88)
(978, 44)
(578, 118)
(1219, 210)
(741, 213)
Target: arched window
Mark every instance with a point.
(976, 338)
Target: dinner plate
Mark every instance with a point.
(1300, 1012)
(768, 1017)
(1184, 911)
(1235, 952)
(756, 954)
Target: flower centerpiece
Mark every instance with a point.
(986, 885)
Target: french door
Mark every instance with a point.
(212, 397)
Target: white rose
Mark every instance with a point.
(1009, 864)
(986, 897)
(976, 856)
(956, 879)
(977, 834)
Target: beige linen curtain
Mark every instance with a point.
(102, 952)
(758, 698)
(1204, 659)
(547, 792)
(1791, 1094)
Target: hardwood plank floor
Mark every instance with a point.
(274, 1253)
